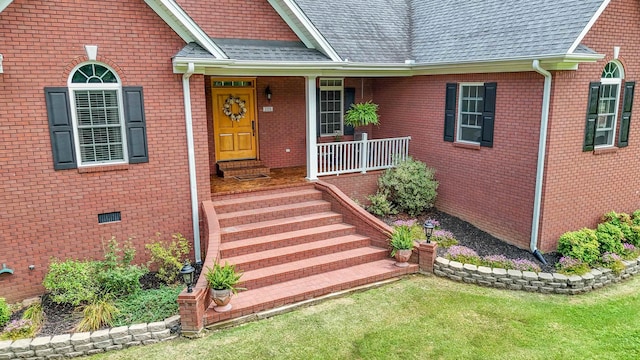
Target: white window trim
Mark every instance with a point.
(333, 88)
(459, 115)
(612, 81)
(73, 87)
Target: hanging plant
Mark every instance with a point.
(362, 114)
(227, 108)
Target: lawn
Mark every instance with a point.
(430, 318)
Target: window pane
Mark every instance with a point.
(99, 126)
(470, 118)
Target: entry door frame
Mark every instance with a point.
(228, 86)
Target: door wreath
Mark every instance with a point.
(228, 108)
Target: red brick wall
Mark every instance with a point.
(582, 186)
(489, 187)
(47, 213)
(238, 19)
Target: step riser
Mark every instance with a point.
(276, 200)
(274, 215)
(240, 163)
(211, 317)
(313, 270)
(279, 228)
(245, 171)
(275, 260)
(283, 242)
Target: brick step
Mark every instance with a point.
(270, 227)
(244, 171)
(226, 165)
(265, 199)
(272, 213)
(272, 257)
(293, 270)
(289, 292)
(267, 242)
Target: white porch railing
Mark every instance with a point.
(361, 156)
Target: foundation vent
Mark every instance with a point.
(109, 217)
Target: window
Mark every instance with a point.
(331, 107)
(95, 99)
(95, 120)
(474, 119)
(602, 112)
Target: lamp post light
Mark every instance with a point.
(428, 230)
(187, 273)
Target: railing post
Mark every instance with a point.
(364, 153)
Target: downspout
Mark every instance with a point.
(192, 162)
(542, 149)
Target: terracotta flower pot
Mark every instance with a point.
(402, 258)
(221, 298)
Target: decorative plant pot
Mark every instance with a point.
(402, 258)
(221, 298)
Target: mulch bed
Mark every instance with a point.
(478, 240)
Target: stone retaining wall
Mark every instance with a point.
(531, 281)
(89, 343)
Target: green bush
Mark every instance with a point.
(147, 306)
(71, 281)
(5, 312)
(117, 277)
(635, 218)
(582, 245)
(410, 186)
(380, 205)
(169, 256)
(610, 238)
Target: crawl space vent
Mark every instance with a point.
(109, 217)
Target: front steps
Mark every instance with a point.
(292, 247)
(243, 169)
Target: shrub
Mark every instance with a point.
(97, 314)
(630, 251)
(5, 312)
(463, 254)
(631, 233)
(610, 238)
(117, 277)
(71, 281)
(169, 256)
(17, 329)
(410, 186)
(147, 306)
(444, 238)
(613, 262)
(582, 245)
(635, 218)
(380, 205)
(570, 266)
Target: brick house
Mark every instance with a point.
(523, 110)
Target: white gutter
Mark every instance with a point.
(192, 161)
(542, 148)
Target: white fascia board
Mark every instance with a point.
(293, 23)
(4, 4)
(586, 29)
(300, 19)
(184, 26)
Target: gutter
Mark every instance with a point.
(192, 162)
(542, 149)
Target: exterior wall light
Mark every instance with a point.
(267, 93)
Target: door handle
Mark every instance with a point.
(253, 127)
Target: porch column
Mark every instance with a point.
(312, 148)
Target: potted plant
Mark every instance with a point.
(222, 280)
(401, 245)
(362, 114)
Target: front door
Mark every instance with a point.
(234, 123)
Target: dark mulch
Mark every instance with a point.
(480, 241)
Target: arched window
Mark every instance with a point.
(608, 101)
(95, 97)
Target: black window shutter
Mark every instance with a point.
(136, 125)
(60, 128)
(627, 105)
(489, 114)
(450, 112)
(349, 98)
(592, 116)
(317, 112)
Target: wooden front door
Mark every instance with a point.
(235, 125)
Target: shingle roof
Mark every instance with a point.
(434, 31)
(258, 50)
(476, 30)
(363, 30)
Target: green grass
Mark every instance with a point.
(430, 318)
